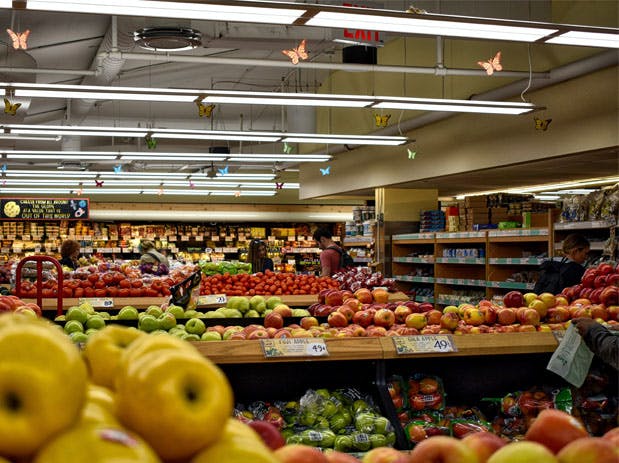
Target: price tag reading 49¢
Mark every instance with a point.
(294, 347)
(424, 344)
(212, 299)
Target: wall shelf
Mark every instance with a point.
(414, 279)
(461, 260)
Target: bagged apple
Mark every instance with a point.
(395, 387)
(425, 392)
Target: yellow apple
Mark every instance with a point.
(549, 299)
(104, 349)
(175, 400)
(523, 452)
(42, 384)
(529, 297)
(238, 444)
(540, 307)
(101, 443)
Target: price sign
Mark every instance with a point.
(106, 302)
(294, 347)
(172, 238)
(199, 237)
(425, 344)
(215, 237)
(211, 299)
(559, 335)
(184, 238)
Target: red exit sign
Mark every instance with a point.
(361, 35)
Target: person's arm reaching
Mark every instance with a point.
(600, 340)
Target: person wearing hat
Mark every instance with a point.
(150, 255)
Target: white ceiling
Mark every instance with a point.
(62, 42)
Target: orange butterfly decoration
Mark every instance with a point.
(20, 39)
(297, 53)
(492, 65)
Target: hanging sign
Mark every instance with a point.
(44, 208)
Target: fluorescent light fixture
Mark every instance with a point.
(586, 39)
(8, 136)
(317, 15)
(133, 175)
(547, 197)
(132, 191)
(182, 10)
(576, 191)
(24, 90)
(548, 187)
(189, 134)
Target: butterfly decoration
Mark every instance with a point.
(237, 194)
(73, 205)
(493, 64)
(19, 39)
(98, 183)
(542, 124)
(80, 190)
(279, 186)
(205, 110)
(118, 169)
(411, 153)
(160, 191)
(3, 182)
(412, 9)
(326, 170)
(223, 171)
(298, 53)
(4, 167)
(10, 108)
(191, 184)
(287, 148)
(151, 143)
(382, 121)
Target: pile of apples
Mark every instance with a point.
(598, 285)
(267, 283)
(15, 304)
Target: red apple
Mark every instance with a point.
(363, 318)
(297, 453)
(308, 322)
(557, 314)
(274, 320)
(426, 307)
(364, 295)
(283, 310)
(589, 450)
(609, 296)
(353, 303)
(613, 436)
(613, 312)
(384, 318)
(269, 434)
(490, 314)
(337, 319)
(433, 317)
(346, 294)
(513, 299)
(506, 316)
(347, 311)
(529, 317)
(555, 429)
(334, 297)
(373, 330)
(484, 444)
(380, 295)
(414, 306)
(442, 449)
(449, 321)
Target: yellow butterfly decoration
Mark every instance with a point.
(542, 124)
(382, 121)
(19, 39)
(10, 108)
(298, 53)
(493, 64)
(413, 10)
(204, 109)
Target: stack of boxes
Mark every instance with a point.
(431, 221)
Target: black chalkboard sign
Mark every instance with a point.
(44, 208)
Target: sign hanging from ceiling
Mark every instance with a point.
(44, 208)
(361, 36)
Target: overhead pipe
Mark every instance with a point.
(249, 62)
(72, 72)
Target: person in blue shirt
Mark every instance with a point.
(257, 257)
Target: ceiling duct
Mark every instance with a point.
(168, 38)
(219, 150)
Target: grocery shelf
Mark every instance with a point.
(358, 240)
(518, 232)
(586, 225)
(362, 259)
(461, 260)
(461, 235)
(515, 260)
(414, 260)
(408, 238)
(424, 299)
(415, 279)
(342, 349)
(595, 245)
(510, 285)
(460, 281)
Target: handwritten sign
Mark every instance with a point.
(425, 344)
(44, 208)
(294, 347)
(211, 299)
(107, 302)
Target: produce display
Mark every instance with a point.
(222, 267)
(267, 283)
(345, 420)
(362, 277)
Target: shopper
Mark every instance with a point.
(599, 339)
(258, 258)
(151, 256)
(69, 252)
(558, 274)
(331, 254)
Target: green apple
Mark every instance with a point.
(60, 318)
(180, 334)
(180, 326)
(148, 323)
(73, 326)
(127, 313)
(176, 310)
(77, 314)
(195, 326)
(191, 337)
(87, 307)
(232, 313)
(166, 321)
(230, 331)
(78, 337)
(95, 321)
(252, 314)
(378, 440)
(90, 331)
(191, 313)
(273, 302)
(300, 313)
(210, 336)
(255, 301)
(159, 332)
(154, 310)
(104, 315)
